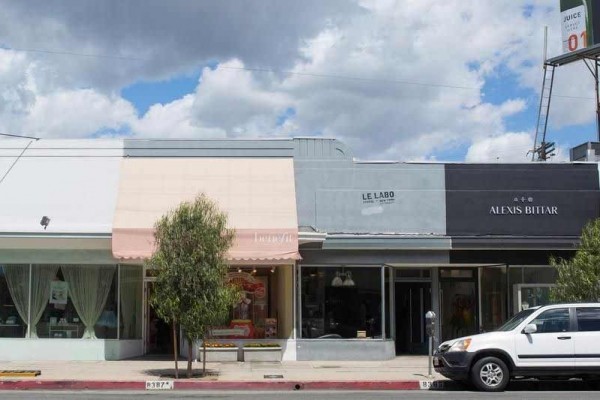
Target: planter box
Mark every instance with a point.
(264, 354)
(216, 354)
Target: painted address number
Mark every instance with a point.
(427, 385)
(159, 385)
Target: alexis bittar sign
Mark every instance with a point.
(523, 206)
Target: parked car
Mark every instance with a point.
(560, 340)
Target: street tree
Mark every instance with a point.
(579, 278)
(191, 289)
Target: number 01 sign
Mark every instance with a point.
(580, 24)
(574, 25)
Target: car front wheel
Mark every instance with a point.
(490, 374)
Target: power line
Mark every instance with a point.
(19, 136)
(273, 70)
(268, 70)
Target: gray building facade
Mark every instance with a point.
(383, 242)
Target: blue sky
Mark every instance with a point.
(340, 68)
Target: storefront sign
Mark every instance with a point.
(520, 199)
(378, 197)
(273, 237)
(525, 208)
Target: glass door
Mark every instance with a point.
(458, 302)
(413, 300)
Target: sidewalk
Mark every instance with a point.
(401, 373)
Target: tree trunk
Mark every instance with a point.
(175, 349)
(189, 358)
(203, 355)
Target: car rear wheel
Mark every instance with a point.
(490, 374)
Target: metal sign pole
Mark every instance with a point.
(430, 356)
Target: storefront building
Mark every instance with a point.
(383, 243)
(77, 224)
(338, 259)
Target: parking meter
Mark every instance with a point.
(430, 319)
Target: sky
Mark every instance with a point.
(406, 80)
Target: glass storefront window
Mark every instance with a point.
(255, 315)
(131, 302)
(493, 297)
(74, 301)
(341, 302)
(70, 301)
(530, 286)
(14, 299)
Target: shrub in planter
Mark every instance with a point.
(219, 352)
(261, 345)
(266, 352)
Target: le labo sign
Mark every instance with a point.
(523, 206)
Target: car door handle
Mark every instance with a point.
(564, 337)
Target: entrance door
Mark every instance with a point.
(413, 300)
(159, 335)
(459, 302)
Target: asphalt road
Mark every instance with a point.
(570, 392)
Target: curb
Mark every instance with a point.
(204, 385)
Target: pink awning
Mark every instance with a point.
(257, 194)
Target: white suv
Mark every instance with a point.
(547, 341)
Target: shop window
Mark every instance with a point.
(493, 297)
(74, 301)
(131, 302)
(14, 300)
(530, 286)
(342, 303)
(255, 315)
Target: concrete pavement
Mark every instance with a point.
(400, 373)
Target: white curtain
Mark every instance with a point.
(88, 288)
(41, 276)
(131, 298)
(17, 280)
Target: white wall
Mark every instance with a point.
(68, 349)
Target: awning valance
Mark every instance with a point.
(257, 194)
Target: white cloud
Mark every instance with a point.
(509, 147)
(394, 79)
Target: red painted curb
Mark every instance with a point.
(211, 385)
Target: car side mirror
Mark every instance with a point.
(531, 328)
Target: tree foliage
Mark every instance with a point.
(191, 269)
(579, 278)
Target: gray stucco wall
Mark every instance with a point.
(344, 196)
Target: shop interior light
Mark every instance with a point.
(342, 279)
(272, 270)
(239, 270)
(348, 281)
(254, 271)
(337, 280)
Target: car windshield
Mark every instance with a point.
(515, 320)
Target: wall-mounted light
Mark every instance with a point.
(45, 221)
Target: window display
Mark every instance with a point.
(341, 302)
(251, 316)
(14, 283)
